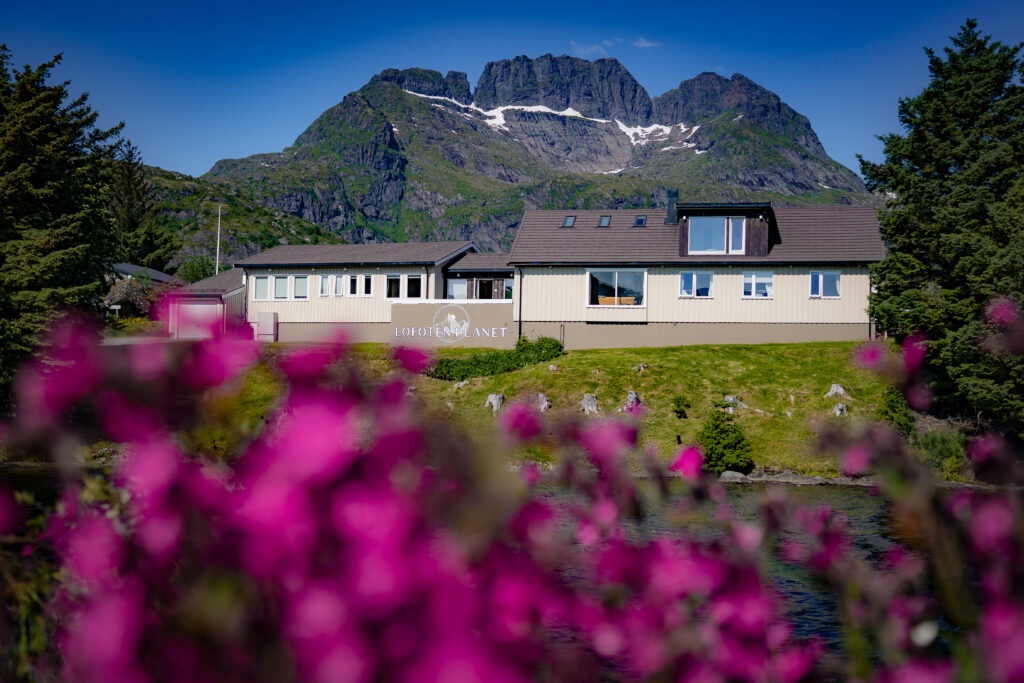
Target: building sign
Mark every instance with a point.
(451, 324)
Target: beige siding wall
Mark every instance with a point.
(375, 308)
(561, 294)
(234, 305)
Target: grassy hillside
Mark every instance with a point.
(773, 378)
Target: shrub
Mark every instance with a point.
(945, 452)
(487, 363)
(895, 411)
(725, 447)
(679, 406)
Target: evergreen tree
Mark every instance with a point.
(954, 224)
(55, 240)
(132, 205)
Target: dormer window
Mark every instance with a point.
(717, 235)
(639, 221)
(569, 221)
(604, 221)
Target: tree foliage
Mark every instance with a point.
(132, 207)
(954, 225)
(195, 269)
(724, 444)
(55, 237)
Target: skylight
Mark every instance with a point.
(569, 221)
(604, 221)
(640, 221)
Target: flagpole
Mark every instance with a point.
(216, 267)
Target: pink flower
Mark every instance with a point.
(991, 524)
(870, 355)
(531, 473)
(216, 361)
(149, 469)
(1002, 630)
(914, 349)
(919, 396)
(520, 423)
(606, 441)
(101, 641)
(412, 359)
(147, 361)
(94, 549)
(856, 460)
(306, 364)
(1003, 312)
(747, 536)
(920, 671)
(688, 463)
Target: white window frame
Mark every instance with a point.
(353, 285)
(325, 284)
(727, 227)
(295, 278)
(367, 281)
(255, 289)
(387, 283)
(287, 288)
(818, 275)
(694, 274)
(340, 285)
(423, 288)
(753, 285)
(615, 270)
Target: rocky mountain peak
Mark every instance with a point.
(428, 82)
(601, 89)
(709, 94)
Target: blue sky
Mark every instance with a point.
(196, 82)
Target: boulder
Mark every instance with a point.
(839, 410)
(730, 477)
(632, 402)
(552, 368)
(589, 404)
(459, 385)
(837, 390)
(495, 401)
(543, 404)
(641, 367)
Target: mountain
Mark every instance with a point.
(414, 155)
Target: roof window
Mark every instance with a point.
(639, 221)
(604, 221)
(569, 221)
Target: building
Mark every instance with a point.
(696, 274)
(213, 305)
(689, 274)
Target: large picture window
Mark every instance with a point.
(717, 235)
(695, 284)
(825, 284)
(617, 287)
(757, 284)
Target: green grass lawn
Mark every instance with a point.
(773, 378)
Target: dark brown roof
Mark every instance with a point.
(223, 282)
(416, 253)
(831, 234)
(485, 261)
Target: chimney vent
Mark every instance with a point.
(671, 212)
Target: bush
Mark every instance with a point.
(945, 453)
(725, 447)
(679, 406)
(895, 411)
(488, 363)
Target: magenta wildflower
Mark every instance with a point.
(856, 460)
(688, 463)
(870, 355)
(219, 360)
(520, 423)
(606, 441)
(1003, 312)
(412, 359)
(919, 396)
(8, 512)
(991, 524)
(94, 550)
(914, 347)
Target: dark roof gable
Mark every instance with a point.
(411, 253)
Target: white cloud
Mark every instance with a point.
(587, 49)
(642, 42)
(612, 42)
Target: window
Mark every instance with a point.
(301, 287)
(717, 235)
(695, 284)
(261, 291)
(485, 289)
(457, 289)
(414, 287)
(569, 221)
(825, 284)
(757, 284)
(639, 221)
(394, 289)
(604, 221)
(367, 285)
(353, 284)
(339, 285)
(325, 285)
(281, 287)
(509, 285)
(617, 287)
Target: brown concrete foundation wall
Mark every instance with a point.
(578, 335)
